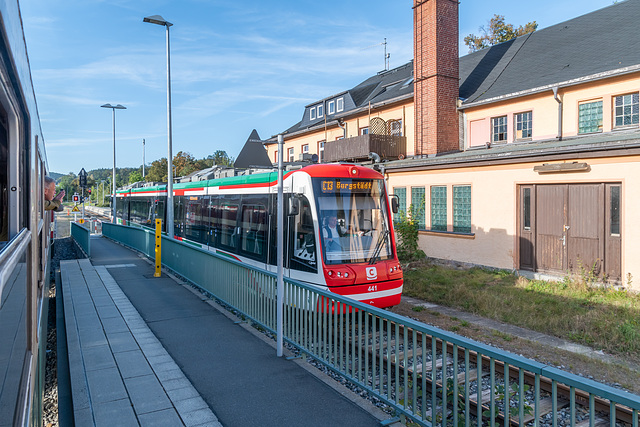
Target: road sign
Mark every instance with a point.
(81, 221)
(75, 209)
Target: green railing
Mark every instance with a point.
(428, 375)
(82, 236)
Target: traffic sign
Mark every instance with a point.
(75, 209)
(81, 221)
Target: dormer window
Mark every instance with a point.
(340, 104)
(320, 111)
(312, 113)
(331, 107)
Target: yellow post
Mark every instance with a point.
(158, 271)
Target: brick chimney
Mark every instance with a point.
(435, 70)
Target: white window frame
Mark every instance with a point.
(340, 104)
(331, 107)
(312, 113)
(291, 154)
(364, 130)
(320, 111)
(305, 149)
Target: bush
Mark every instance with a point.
(406, 227)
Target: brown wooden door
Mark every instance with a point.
(551, 216)
(570, 228)
(585, 228)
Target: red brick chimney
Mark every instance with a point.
(435, 70)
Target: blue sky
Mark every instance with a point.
(235, 66)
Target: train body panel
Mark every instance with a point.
(236, 217)
(25, 232)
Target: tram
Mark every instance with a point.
(25, 240)
(338, 230)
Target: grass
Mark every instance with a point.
(572, 309)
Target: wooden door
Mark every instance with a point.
(551, 216)
(585, 228)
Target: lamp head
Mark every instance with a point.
(158, 20)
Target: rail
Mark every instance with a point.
(11, 255)
(428, 375)
(82, 236)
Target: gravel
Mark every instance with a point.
(62, 249)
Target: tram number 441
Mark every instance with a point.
(372, 288)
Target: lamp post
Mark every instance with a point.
(113, 193)
(159, 20)
(102, 185)
(142, 158)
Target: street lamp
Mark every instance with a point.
(159, 20)
(102, 185)
(113, 194)
(143, 158)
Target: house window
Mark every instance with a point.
(364, 131)
(395, 127)
(401, 192)
(340, 104)
(626, 110)
(291, 159)
(439, 208)
(499, 129)
(312, 113)
(590, 117)
(523, 125)
(320, 111)
(305, 149)
(275, 155)
(614, 222)
(321, 151)
(526, 209)
(331, 107)
(417, 206)
(462, 208)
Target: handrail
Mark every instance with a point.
(11, 254)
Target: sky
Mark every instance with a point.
(235, 66)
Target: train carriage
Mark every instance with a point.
(236, 217)
(25, 232)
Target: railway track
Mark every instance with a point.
(429, 377)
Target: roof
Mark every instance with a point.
(598, 42)
(253, 153)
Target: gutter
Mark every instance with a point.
(555, 96)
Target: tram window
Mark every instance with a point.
(159, 211)
(196, 224)
(254, 226)
(141, 211)
(178, 216)
(304, 241)
(228, 233)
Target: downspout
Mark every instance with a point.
(343, 125)
(557, 98)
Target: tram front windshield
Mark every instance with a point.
(353, 217)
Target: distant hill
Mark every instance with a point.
(56, 175)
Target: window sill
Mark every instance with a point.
(454, 234)
(623, 128)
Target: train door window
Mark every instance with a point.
(196, 224)
(254, 228)
(303, 240)
(4, 185)
(178, 216)
(228, 222)
(214, 221)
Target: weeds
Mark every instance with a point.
(575, 308)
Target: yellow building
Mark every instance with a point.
(521, 156)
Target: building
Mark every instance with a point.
(521, 156)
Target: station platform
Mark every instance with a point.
(153, 351)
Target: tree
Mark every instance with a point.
(220, 157)
(157, 172)
(184, 163)
(497, 32)
(135, 176)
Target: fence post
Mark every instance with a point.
(158, 250)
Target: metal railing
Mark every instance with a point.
(429, 375)
(82, 236)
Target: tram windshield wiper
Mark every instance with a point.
(379, 245)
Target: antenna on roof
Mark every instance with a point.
(386, 55)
